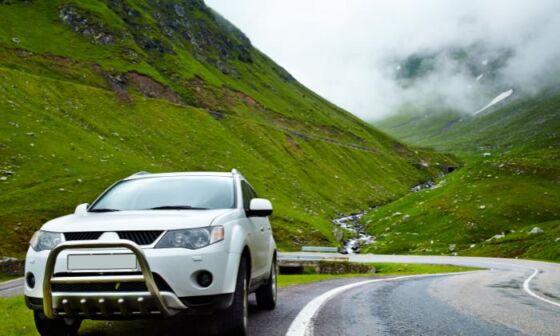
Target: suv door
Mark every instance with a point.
(260, 232)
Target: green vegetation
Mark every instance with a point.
(525, 125)
(417, 127)
(7, 277)
(508, 185)
(91, 92)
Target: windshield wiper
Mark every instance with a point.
(177, 207)
(103, 210)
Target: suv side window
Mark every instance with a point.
(248, 194)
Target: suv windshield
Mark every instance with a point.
(173, 193)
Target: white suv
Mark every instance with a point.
(153, 245)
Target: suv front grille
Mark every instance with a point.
(82, 235)
(139, 237)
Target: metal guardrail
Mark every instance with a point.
(293, 257)
(146, 276)
(325, 249)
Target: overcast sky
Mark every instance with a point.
(348, 50)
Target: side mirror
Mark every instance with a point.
(81, 209)
(259, 207)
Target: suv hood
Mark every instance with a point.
(138, 220)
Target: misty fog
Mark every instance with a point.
(374, 57)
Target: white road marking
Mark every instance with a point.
(527, 288)
(302, 325)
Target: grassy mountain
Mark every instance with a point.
(517, 125)
(509, 185)
(93, 91)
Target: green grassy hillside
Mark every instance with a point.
(509, 184)
(419, 127)
(93, 91)
(524, 124)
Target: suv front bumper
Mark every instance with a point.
(175, 266)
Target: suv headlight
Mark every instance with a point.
(45, 240)
(192, 238)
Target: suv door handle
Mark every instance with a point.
(262, 228)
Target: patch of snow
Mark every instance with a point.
(496, 100)
(479, 77)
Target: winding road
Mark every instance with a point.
(512, 297)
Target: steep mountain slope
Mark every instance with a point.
(419, 127)
(503, 202)
(91, 92)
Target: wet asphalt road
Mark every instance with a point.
(11, 288)
(490, 302)
(400, 308)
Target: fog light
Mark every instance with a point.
(204, 279)
(30, 279)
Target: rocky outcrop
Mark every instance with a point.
(219, 43)
(151, 88)
(119, 84)
(86, 25)
(146, 85)
(11, 2)
(536, 230)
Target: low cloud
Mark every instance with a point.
(374, 57)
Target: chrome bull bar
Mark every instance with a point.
(146, 276)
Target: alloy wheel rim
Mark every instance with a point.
(274, 287)
(245, 304)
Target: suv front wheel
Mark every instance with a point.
(234, 319)
(266, 294)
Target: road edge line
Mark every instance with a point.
(527, 288)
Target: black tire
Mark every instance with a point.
(56, 327)
(267, 293)
(234, 319)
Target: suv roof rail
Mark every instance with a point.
(236, 172)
